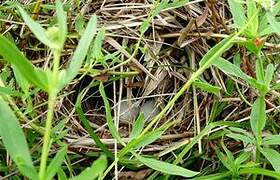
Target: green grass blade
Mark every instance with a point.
(218, 176)
(8, 91)
(110, 123)
(258, 117)
(144, 140)
(97, 46)
(244, 156)
(214, 53)
(207, 87)
(273, 157)
(11, 54)
(240, 137)
(231, 69)
(271, 140)
(96, 169)
(14, 140)
(37, 29)
(93, 135)
(61, 174)
(138, 126)
(27, 170)
(269, 75)
(79, 54)
(254, 26)
(237, 12)
(56, 163)
(260, 171)
(224, 159)
(62, 22)
(21, 81)
(166, 167)
(204, 132)
(273, 23)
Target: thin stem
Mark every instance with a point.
(51, 104)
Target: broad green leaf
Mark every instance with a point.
(231, 69)
(14, 140)
(96, 169)
(260, 71)
(240, 137)
(93, 135)
(237, 12)
(244, 156)
(138, 126)
(214, 53)
(79, 55)
(150, 138)
(144, 140)
(62, 22)
(273, 157)
(27, 170)
(207, 87)
(8, 91)
(273, 23)
(97, 46)
(260, 171)
(276, 86)
(258, 117)
(61, 174)
(11, 54)
(224, 159)
(23, 83)
(80, 24)
(241, 131)
(251, 10)
(56, 163)
(269, 74)
(37, 29)
(228, 153)
(271, 140)
(109, 119)
(166, 167)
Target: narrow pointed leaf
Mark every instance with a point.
(273, 23)
(62, 22)
(214, 53)
(258, 116)
(96, 169)
(138, 126)
(166, 167)
(37, 29)
(56, 163)
(231, 69)
(93, 135)
(11, 54)
(80, 53)
(14, 140)
(273, 157)
(272, 140)
(237, 12)
(269, 74)
(207, 87)
(109, 119)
